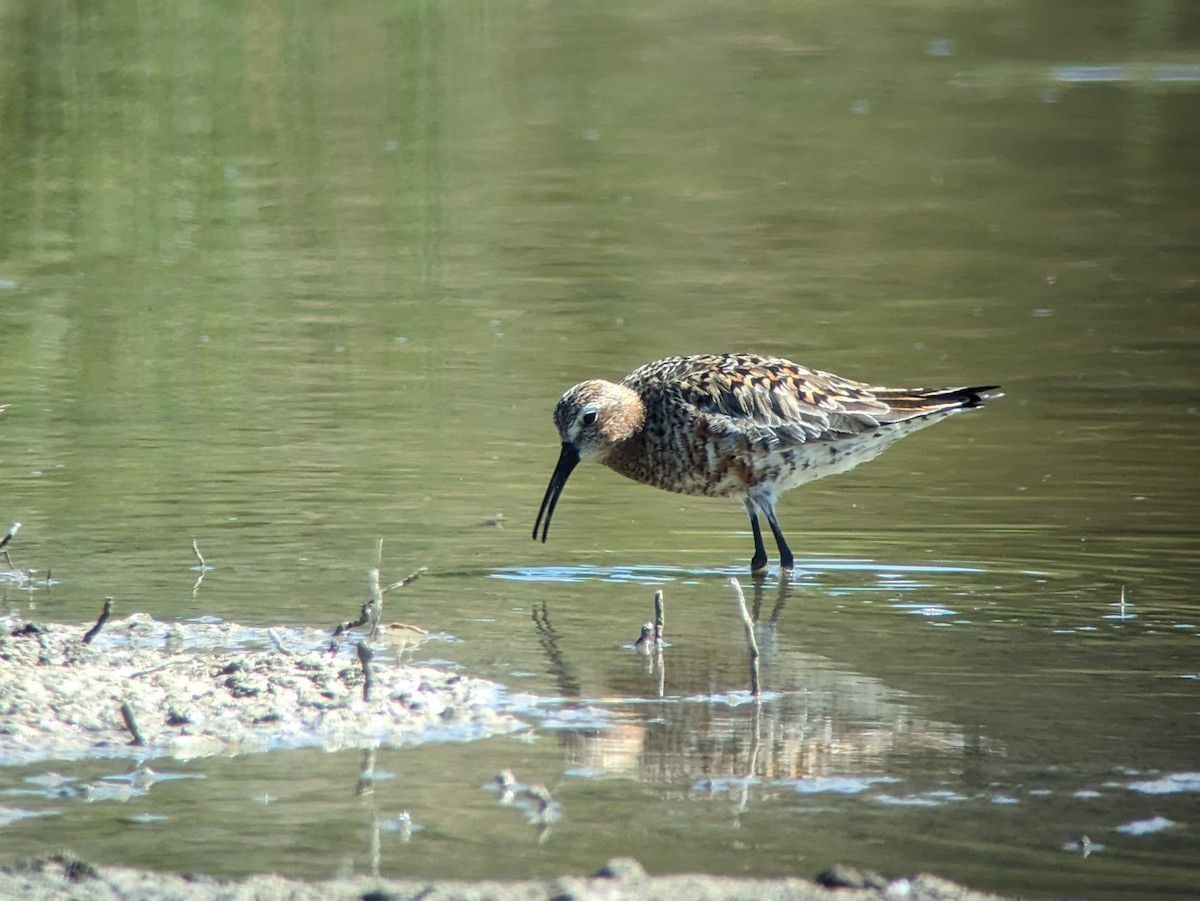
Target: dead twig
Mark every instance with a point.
(372, 611)
(401, 636)
(659, 620)
(202, 566)
(375, 605)
(363, 616)
(12, 531)
(131, 724)
(407, 580)
(278, 642)
(366, 773)
(751, 641)
(364, 657)
(104, 615)
(178, 661)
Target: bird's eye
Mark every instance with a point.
(589, 418)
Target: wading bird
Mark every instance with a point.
(739, 425)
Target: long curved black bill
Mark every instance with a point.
(567, 460)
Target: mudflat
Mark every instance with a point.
(62, 876)
(140, 688)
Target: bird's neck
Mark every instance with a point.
(627, 418)
(627, 435)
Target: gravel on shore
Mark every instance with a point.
(64, 876)
(141, 688)
(146, 689)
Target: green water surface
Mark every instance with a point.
(287, 279)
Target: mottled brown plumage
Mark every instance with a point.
(737, 424)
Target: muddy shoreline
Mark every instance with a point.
(144, 689)
(64, 876)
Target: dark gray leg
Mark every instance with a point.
(786, 560)
(758, 563)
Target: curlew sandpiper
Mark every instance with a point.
(739, 425)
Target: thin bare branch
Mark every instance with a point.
(748, 626)
(104, 615)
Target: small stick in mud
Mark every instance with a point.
(276, 640)
(645, 640)
(364, 657)
(364, 614)
(104, 615)
(651, 638)
(372, 610)
(650, 643)
(375, 604)
(131, 724)
(12, 531)
(203, 567)
(407, 580)
(751, 641)
(366, 773)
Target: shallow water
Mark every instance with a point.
(297, 281)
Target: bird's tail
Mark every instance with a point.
(915, 403)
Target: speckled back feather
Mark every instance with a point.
(776, 401)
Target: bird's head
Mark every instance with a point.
(592, 418)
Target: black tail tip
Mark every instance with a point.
(977, 397)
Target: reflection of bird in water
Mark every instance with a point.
(557, 664)
(738, 425)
